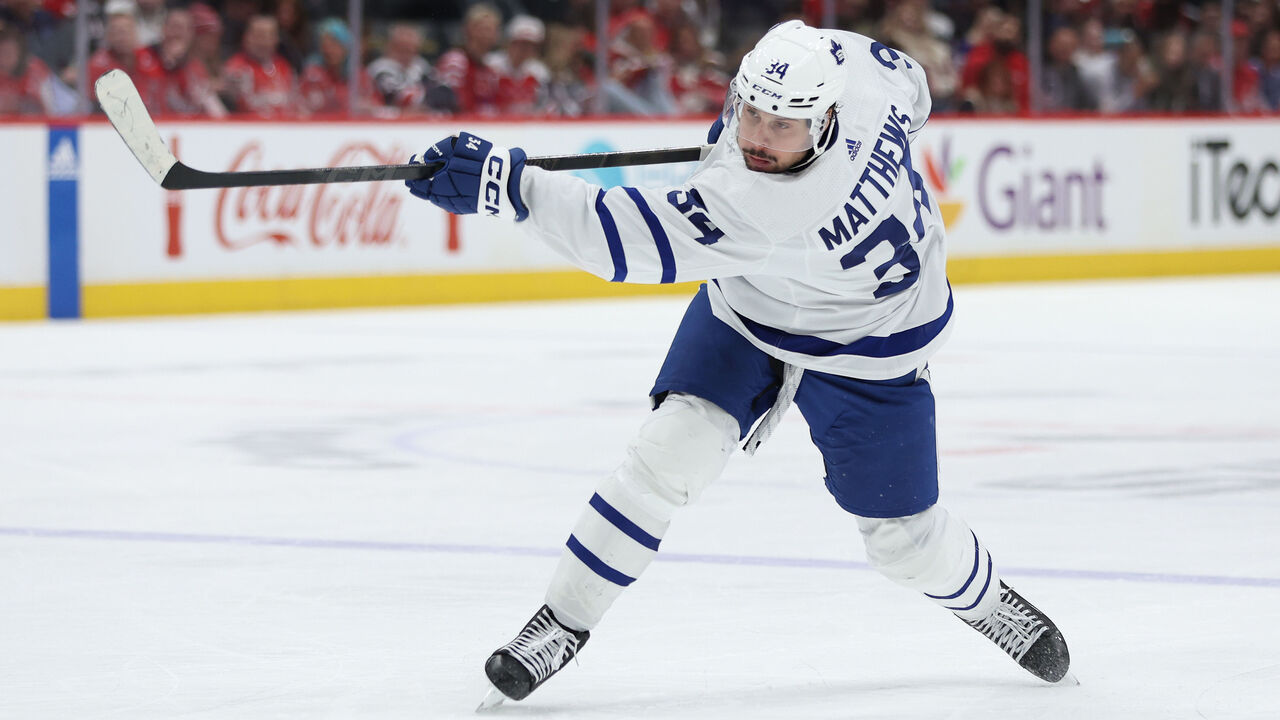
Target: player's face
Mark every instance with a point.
(771, 143)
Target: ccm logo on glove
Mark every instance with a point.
(492, 190)
(473, 171)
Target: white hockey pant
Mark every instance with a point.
(681, 447)
(935, 554)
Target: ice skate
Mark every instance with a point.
(538, 652)
(1027, 635)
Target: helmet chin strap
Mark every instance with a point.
(824, 143)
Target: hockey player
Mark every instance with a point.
(824, 257)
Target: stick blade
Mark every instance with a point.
(124, 108)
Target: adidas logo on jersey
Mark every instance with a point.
(853, 146)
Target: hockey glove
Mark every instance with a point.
(477, 177)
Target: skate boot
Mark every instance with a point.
(538, 652)
(1027, 635)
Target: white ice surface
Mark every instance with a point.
(333, 515)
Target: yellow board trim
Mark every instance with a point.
(1031, 268)
(175, 298)
(386, 290)
(23, 303)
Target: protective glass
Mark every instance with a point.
(772, 131)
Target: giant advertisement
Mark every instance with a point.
(1057, 187)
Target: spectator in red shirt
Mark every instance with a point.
(698, 84)
(259, 80)
(206, 45)
(120, 51)
(26, 84)
(464, 71)
(1245, 78)
(185, 89)
(522, 76)
(639, 80)
(324, 80)
(1002, 47)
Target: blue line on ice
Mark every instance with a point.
(510, 550)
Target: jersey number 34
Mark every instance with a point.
(690, 204)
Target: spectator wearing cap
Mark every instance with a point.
(402, 77)
(522, 76)
(185, 85)
(463, 69)
(324, 79)
(259, 81)
(26, 83)
(121, 51)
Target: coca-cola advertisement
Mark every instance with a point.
(311, 217)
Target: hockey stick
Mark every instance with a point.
(124, 107)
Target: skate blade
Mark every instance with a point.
(1069, 679)
(492, 699)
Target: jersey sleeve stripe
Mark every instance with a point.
(613, 239)
(660, 238)
(899, 343)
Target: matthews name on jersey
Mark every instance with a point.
(838, 267)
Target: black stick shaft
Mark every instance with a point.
(181, 177)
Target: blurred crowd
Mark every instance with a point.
(531, 58)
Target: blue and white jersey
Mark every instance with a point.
(839, 267)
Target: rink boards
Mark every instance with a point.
(87, 233)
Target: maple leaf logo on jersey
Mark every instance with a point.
(942, 172)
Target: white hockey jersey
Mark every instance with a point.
(839, 267)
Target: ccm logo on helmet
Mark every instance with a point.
(765, 91)
(492, 190)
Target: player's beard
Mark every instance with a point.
(761, 155)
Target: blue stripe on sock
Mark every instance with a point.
(597, 565)
(981, 595)
(972, 573)
(613, 239)
(660, 238)
(620, 521)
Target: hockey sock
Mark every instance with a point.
(937, 555)
(613, 541)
